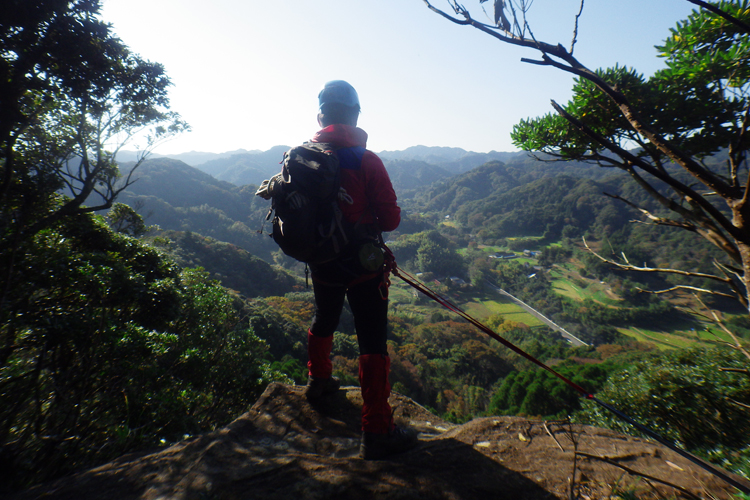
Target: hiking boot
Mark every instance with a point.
(378, 446)
(318, 388)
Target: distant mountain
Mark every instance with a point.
(455, 160)
(424, 153)
(179, 197)
(195, 158)
(412, 168)
(414, 174)
(246, 167)
(181, 185)
(477, 184)
(192, 158)
(472, 160)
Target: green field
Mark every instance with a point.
(675, 339)
(407, 300)
(566, 284)
(568, 289)
(566, 281)
(481, 309)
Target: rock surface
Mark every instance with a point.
(283, 448)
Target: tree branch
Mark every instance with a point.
(714, 212)
(554, 50)
(704, 175)
(575, 28)
(629, 267)
(686, 287)
(711, 8)
(661, 221)
(641, 474)
(737, 344)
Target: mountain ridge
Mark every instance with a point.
(241, 167)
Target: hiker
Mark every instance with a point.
(368, 202)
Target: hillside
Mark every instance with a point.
(419, 165)
(176, 196)
(283, 448)
(246, 167)
(233, 266)
(414, 174)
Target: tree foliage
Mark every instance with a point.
(106, 346)
(114, 349)
(72, 93)
(660, 130)
(429, 252)
(665, 132)
(686, 396)
(537, 392)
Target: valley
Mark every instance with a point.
(514, 225)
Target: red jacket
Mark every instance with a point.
(373, 198)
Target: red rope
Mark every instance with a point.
(453, 307)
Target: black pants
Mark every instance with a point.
(369, 307)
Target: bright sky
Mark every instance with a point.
(246, 73)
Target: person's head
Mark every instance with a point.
(338, 103)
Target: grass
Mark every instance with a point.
(568, 285)
(567, 289)
(662, 340)
(678, 338)
(480, 306)
(482, 309)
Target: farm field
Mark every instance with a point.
(484, 308)
(676, 339)
(567, 282)
(406, 300)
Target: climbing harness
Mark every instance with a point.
(421, 287)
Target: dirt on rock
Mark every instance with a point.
(283, 448)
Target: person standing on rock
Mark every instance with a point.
(368, 202)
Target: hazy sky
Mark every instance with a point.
(246, 73)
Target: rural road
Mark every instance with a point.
(574, 341)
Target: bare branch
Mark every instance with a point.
(656, 219)
(734, 401)
(554, 50)
(546, 428)
(737, 344)
(685, 287)
(744, 371)
(575, 28)
(687, 191)
(646, 269)
(641, 474)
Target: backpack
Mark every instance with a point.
(308, 224)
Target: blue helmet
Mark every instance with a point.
(338, 92)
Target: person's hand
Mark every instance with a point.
(267, 187)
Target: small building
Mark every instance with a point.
(503, 255)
